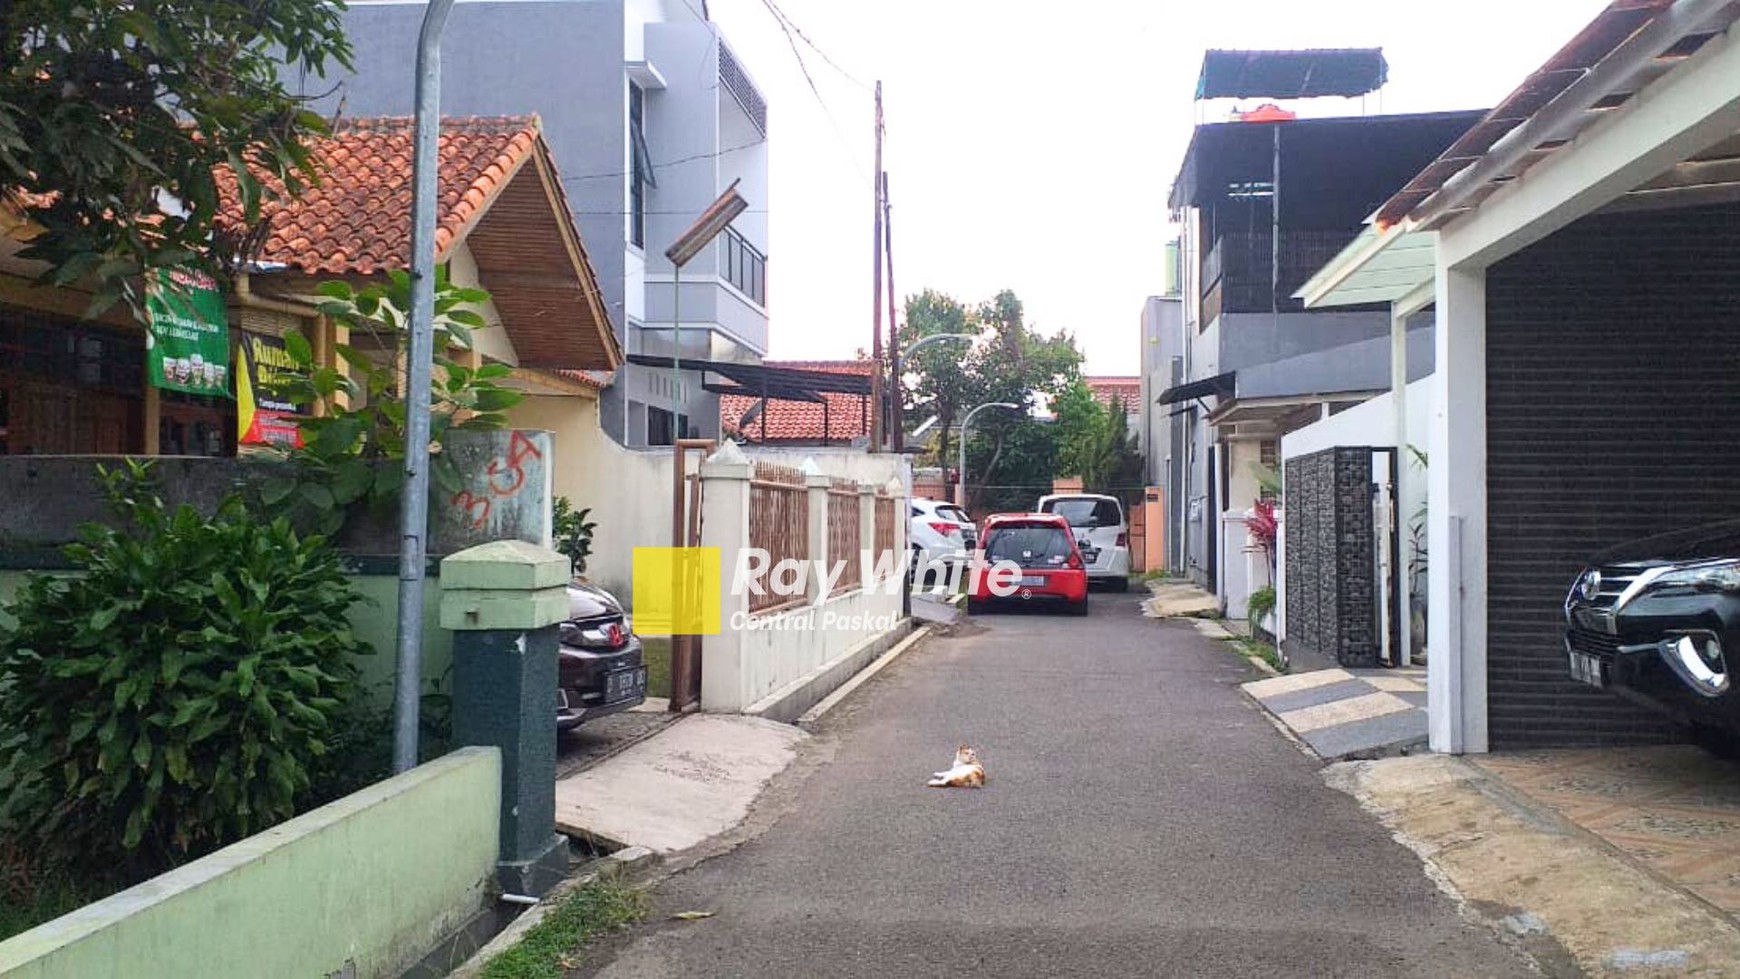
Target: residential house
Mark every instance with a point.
(820, 415)
(1161, 428)
(651, 115)
(1578, 252)
(503, 225)
(1118, 393)
(1264, 200)
(75, 386)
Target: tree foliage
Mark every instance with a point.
(1010, 362)
(124, 111)
(360, 424)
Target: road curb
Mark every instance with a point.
(828, 703)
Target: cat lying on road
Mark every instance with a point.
(967, 772)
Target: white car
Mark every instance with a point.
(942, 531)
(1101, 532)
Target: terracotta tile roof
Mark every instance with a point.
(499, 194)
(357, 220)
(1127, 390)
(801, 421)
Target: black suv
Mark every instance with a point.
(1656, 619)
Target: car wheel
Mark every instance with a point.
(1079, 608)
(1119, 584)
(976, 607)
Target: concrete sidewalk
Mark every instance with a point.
(1349, 713)
(691, 781)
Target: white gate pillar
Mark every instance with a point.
(1456, 517)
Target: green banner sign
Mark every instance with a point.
(187, 347)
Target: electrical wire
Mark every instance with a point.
(790, 39)
(786, 19)
(669, 163)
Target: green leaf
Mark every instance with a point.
(274, 491)
(297, 346)
(317, 495)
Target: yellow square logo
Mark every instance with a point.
(678, 591)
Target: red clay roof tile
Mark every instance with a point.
(801, 421)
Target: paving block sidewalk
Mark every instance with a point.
(1344, 713)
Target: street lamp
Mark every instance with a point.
(685, 658)
(900, 388)
(962, 486)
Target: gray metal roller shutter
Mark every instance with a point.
(1613, 412)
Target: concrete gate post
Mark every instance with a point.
(503, 601)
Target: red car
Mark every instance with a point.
(1043, 547)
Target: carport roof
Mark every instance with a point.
(1627, 47)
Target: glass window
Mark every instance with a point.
(1083, 511)
(1029, 546)
(640, 175)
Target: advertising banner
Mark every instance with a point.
(187, 345)
(263, 417)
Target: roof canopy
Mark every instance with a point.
(1347, 72)
(1577, 117)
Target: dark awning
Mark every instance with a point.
(1347, 72)
(756, 380)
(1220, 386)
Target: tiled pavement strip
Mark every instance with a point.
(1341, 713)
(1675, 808)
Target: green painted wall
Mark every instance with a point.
(375, 879)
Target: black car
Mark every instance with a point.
(600, 669)
(1655, 620)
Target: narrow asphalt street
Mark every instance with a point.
(1142, 818)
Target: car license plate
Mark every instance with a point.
(1588, 669)
(626, 684)
(1031, 580)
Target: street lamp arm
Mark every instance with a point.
(961, 474)
(934, 337)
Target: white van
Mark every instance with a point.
(1100, 531)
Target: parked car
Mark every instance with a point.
(1655, 619)
(1045, 549)
(600, 669)
(1101, 532)
(942, 531)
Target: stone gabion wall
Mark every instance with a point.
(1331, 592)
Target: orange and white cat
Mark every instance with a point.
(967, 772)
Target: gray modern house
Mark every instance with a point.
(1264, 199)
(650, 116)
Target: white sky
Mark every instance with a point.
(1031, 145)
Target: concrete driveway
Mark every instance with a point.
(1142, 818)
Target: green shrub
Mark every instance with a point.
(178, 692)
(1260, 604)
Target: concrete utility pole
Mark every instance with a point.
(876, 387)
(897, 390)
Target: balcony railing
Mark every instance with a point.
(743, 266)
(1236, 273)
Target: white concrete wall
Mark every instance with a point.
(759, 660)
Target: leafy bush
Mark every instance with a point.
(573, 532)
(1261, 603)
(178, 693)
